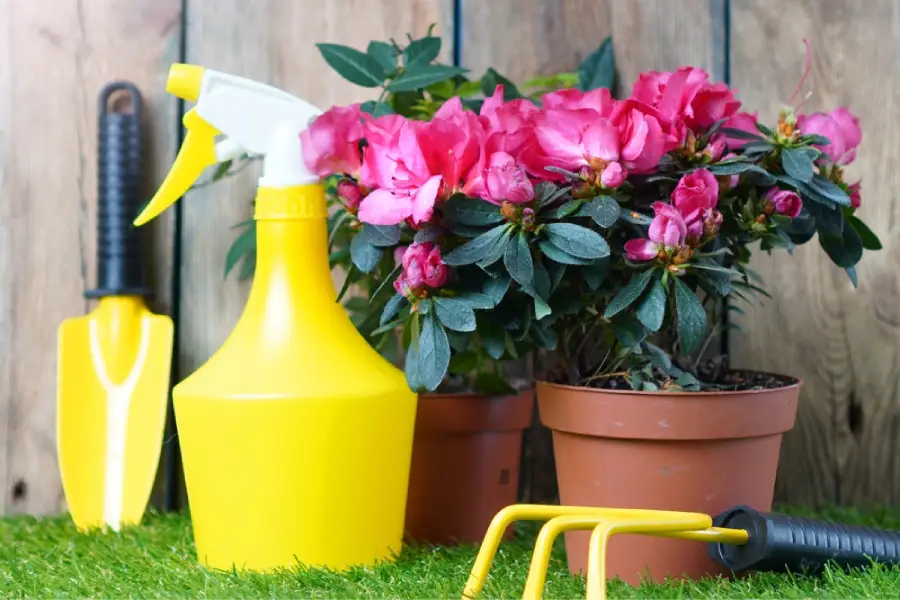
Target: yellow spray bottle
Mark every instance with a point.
(296, 435)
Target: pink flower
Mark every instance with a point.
(695, 192)
(612, 176)
(855, 199)
(331, 143)
(576, 138)
(422, 266)
(349, 193)
(841, 128)
(715, 149)
(667, 233)
(786, 202)
(508, 124)
(641, 136)
(685, 96)
(399, 251)
(599, 100)
(451, 142)
(744, 122)
(712, 103)
(394, 165)
(504, 180)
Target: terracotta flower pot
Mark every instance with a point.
(465, 464)
(697, 452)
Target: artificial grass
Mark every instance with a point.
(48, 558)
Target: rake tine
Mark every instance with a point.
(666, 525)
(506, 517)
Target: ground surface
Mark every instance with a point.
(47, 558)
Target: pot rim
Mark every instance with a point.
(474, 395)
(798, 382)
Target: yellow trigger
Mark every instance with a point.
(196, 154)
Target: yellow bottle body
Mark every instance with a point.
(296, 435)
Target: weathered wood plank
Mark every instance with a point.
(844, 343)
(54, 58)
(522, 39)
(273, 42)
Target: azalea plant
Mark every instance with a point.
(611, 232)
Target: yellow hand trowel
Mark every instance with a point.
(114, 363)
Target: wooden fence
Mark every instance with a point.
(55, 56)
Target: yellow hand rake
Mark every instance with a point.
(740, 539)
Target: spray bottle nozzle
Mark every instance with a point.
(251, 117)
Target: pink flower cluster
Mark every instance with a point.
(407, 167)
(690, 220)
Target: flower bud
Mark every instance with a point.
(612, 176)
(715, 149)
(528, 219)
(349, 193)
(508, 210)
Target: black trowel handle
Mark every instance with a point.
(120, 249)
(797, 544)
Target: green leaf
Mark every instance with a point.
(577, 240)
(380, 235)
(421, 51)
(422, 76)
(816, 139)
(870, 241)
(564, 210)
(471, 211)
(492, 78)
(469, 88)
(462, 363)
(385, 54)
(493, 338)
(496, 288)
(497, 252)
(411, 367)
(827, 218)
(844, 251)
(598, 69)
(797, 164)
(351, 64)
(492, 384)
(376, 109)
(222, 169)
(544, 336)
(595, 273)
(364, 255)
(392, 307)
(854, 278)
(242, 246)
(691, 317)
(476, 249)
(829, 190)
(434, 353)
(604, 210)
(547, 192)
(628, 330)
(518, 262)
(540, 291)
(628, 294)
(476, 300)
(559, 255)
(652, 308)
(741, 134)
(455, 314)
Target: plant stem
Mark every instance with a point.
(603, 376)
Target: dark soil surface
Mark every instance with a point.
(729, 381)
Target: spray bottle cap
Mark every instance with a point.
(248, 116)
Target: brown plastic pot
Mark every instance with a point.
(696, 452)
(465, 464)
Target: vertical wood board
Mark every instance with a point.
(844, 343)
(54, 59)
